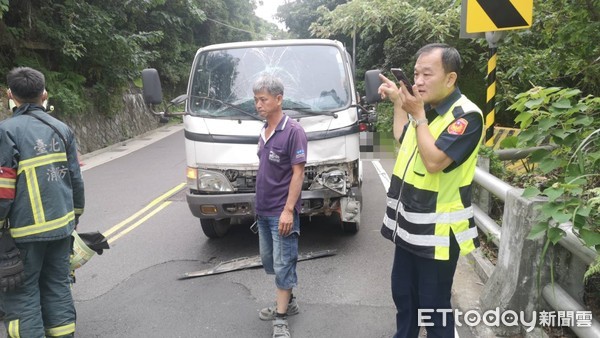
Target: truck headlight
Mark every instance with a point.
(212, 181)
(335, 180)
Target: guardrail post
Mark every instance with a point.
(512, 285)
(481, 196)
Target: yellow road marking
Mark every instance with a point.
(136, 224)
(151, 205)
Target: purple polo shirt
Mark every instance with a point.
(286, 146)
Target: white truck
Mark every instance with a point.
(222, 128)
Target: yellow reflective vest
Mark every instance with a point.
(431, 205)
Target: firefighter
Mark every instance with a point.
(41, 198)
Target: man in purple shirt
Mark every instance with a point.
(282, 151)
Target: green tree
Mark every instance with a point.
(91, 50)
(300, 14)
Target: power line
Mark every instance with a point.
(232, 27)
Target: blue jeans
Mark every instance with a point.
(423, 283)
(279, 254)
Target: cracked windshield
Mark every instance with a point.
(222, 84)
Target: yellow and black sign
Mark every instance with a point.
(498, 15)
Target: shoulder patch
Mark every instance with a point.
(458, 127)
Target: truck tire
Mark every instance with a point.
(213, 228)
(350, 227)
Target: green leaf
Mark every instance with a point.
(553, 193)
(561, 217)
(579, 221)
(571, 92)
(539, 155)
(560, 133)
(509, 142)
(531, 192)
(556, 234)
(524, 119)
(538, 231)
(534, 103)
(583, 121)
(547, 124)
(590, 238)
(549, 208)
(549, 164)
(584, 211)
(562, 104)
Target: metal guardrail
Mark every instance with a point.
(555, 295)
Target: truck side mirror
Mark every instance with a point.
(372, 83)
(151, 88)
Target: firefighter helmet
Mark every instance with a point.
(81, 252)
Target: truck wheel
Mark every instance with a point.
(350, 227)
(215, 228)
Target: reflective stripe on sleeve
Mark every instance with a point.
(431, 218)
(8, 180)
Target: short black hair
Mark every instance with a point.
(26, 84)
(450, 56)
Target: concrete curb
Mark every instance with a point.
(123, 148)
(467, 289)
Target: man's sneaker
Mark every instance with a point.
(268, 313)
(281, 329)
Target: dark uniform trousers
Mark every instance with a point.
(423, 283)
(44, 305)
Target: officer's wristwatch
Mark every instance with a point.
(419, 122)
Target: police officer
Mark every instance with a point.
(429, 215)
(41, 196)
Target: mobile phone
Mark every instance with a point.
(400, 76)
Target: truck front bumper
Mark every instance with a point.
(321, 202)
(221, 206)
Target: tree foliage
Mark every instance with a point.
(549, 54)
(91, 50)
(390, 33)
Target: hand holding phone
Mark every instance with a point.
(401, 77)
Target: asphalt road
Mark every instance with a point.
(135, 196)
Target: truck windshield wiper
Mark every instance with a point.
(309, 110)
(229, 105)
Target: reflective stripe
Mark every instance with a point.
(35, 198)
(41, 160)
(466, 235)
(421, 240)
(7, 182)
(430, 218)
(60, 331)
(42, 227)
(78, 211)
(13, 329)
(7, 188)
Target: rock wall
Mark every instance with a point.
(95, 130)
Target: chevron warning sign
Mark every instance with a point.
(498, 15)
